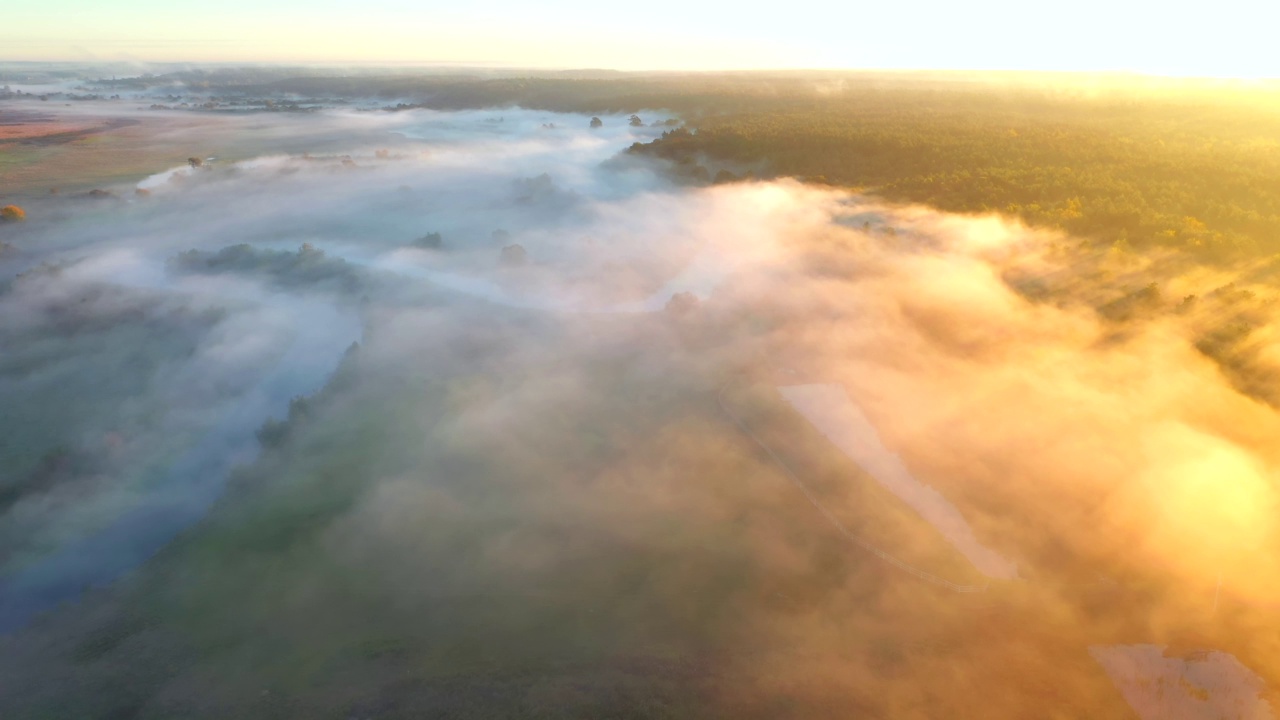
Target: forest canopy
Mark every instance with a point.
(1180, 174)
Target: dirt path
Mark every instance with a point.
(835, 522)
(833, 413)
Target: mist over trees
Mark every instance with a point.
(309, 267)
(514, 255)
(1185, 167)
(430, 241)
(558, 470)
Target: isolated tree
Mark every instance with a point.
(596, 122)
(299, 408)
(195, 162)
(12, 213)
(431, 240)
(682, 303)
(514, 255)
(273, 432)
(635, 121)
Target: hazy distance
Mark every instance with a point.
(1224, 39)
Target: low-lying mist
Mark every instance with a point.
(547, 329)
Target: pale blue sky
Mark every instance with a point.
(1227, 38)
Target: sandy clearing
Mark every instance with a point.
(50, 129)
(1205, 686)
(836, 416)
(37, 129)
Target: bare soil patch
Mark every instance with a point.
(37, 129)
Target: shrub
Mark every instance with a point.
(514, 255)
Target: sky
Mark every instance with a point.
(1229, 38)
